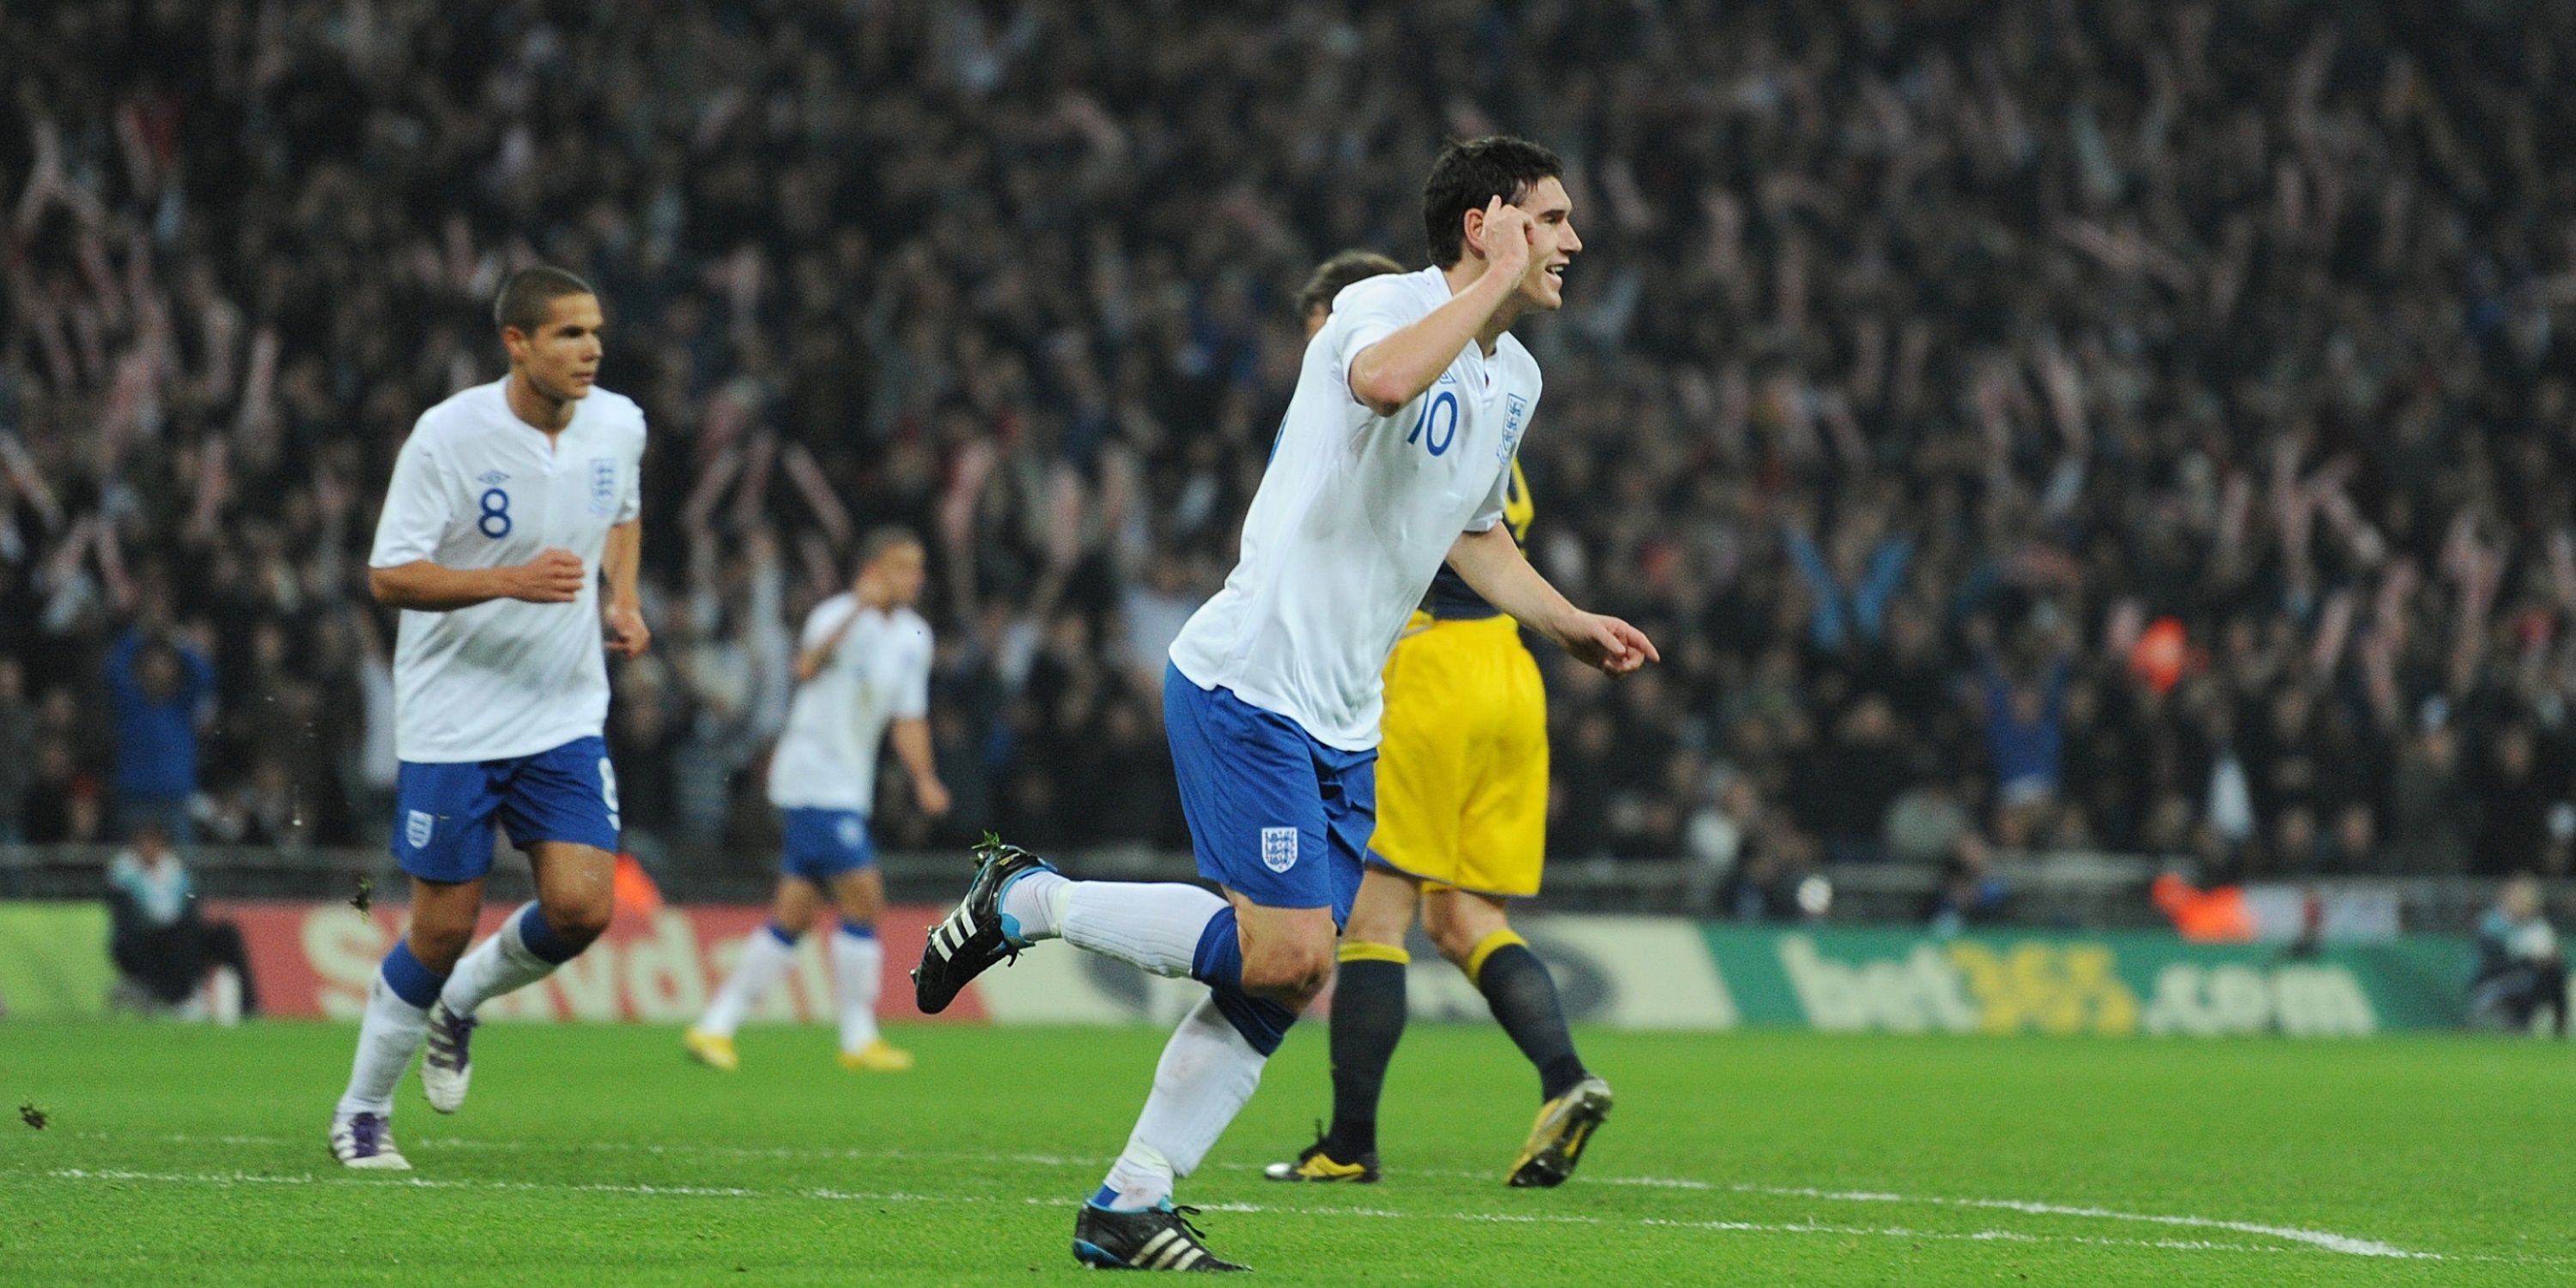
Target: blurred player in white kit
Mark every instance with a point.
(863, 666)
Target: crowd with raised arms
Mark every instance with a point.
(2026, 426)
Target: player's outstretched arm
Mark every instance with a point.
(1494, 566)
(554, 577)
(1394, 371)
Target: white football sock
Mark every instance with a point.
(1035, 899)
(387, 1039)
(764, 959)
(500, 964)
(858, 970)
(1152, 926)
(1207, 1074)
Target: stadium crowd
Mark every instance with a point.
(2024, 425)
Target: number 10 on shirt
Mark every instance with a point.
(1438, 442)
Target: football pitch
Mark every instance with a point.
(176, 1155)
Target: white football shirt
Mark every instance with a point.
(476, 487)
(879, 673)
(1354, 514)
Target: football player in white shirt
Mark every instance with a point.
(510, 503)
(864, 664)
(1395, 455)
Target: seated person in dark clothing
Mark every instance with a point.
(162, 942)
(1969, 892)
(2521, 969)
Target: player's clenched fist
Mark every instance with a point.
(554, 577)
(624, 628)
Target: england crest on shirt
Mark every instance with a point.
(1515, 410)
(603, 485)
(1278, 848)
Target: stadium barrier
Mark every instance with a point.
(315, 959)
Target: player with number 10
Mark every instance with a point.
(1394, 457)
(510, 502)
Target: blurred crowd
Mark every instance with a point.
(2025, 426)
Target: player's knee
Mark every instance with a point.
(1293, 973)
(1457, 937)
(1457, 944)
(579, 922)
(438, 946)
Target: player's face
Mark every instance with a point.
(902, 571)
(562, 358)
(1553, 211)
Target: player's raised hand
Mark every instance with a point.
(624, 627)
(1510, 237)
(1607, 644)
(932, 795)
(553, 577)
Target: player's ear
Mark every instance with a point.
(1475, 231)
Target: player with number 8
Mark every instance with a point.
(510, 503)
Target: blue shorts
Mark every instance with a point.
(443, 814)
(824, 843)
(1274, 815)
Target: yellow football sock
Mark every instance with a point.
(1487, 947)
(1361, 950)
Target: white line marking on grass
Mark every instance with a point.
(1763, 1227)
(2348, 1245)
(415, 1182)
(2331, 1242)
(227, 1179)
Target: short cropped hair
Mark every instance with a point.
(1472, 173)
(530, 293)
(1338, 272)
(881, 540)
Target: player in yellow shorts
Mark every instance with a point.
(1462, 792)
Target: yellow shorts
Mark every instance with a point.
(1462, 758)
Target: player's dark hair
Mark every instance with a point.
(528, 294)
(892, 536)
(1340, 271)
(1472, 173)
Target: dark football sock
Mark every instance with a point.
(1516, 984)
(1368, 1020)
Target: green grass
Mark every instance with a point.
(189, 1155)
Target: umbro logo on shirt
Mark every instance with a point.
(493, 478)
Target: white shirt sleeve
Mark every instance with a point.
(631, 506)
(416, 510)
(820, 623)
(1491, 511)
(1365, 313)
(912, 699)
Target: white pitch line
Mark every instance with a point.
(1763, 1227)
(227, 1179)
(2326, 1240)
